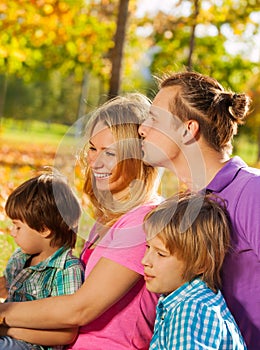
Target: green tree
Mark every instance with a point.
(252, 126)
(40, 36)
(43, 41)
(200, 38)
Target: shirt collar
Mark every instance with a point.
(187, 289)
(56, 260)
(226, 175)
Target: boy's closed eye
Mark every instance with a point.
(157, 251)
(162, 254)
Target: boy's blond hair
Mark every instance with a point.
(196, 229)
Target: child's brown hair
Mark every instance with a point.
(196, 229)
(47, 202)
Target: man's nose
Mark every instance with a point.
(142, 130)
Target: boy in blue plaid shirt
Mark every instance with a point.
(187, 239)
(45, 215)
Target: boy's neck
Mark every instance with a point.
(45, 254)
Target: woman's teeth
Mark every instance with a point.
(102, 176)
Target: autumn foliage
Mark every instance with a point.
(21, 160)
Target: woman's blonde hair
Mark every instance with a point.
(123, 116)
(196, 229)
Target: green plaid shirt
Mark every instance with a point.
(61, 273)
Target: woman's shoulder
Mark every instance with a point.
(137, 214)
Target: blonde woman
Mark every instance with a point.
(113, 307)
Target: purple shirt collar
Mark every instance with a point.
(226, 174)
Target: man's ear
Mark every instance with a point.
(190, 131)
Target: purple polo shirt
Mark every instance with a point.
(239, 185)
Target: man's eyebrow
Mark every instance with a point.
(152, 112)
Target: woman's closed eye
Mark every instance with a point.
(110, 153)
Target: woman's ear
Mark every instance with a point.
(190, 131)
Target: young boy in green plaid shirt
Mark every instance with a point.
(45, 214)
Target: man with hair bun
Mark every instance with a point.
(190, 129)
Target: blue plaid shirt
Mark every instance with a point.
(60, 274)
(192, 318)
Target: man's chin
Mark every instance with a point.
(146, 159)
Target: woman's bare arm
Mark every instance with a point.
(42, 337)
(3, 290)
(107, 283)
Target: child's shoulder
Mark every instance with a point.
(201, 302)
(196, 295)
(205, 317)
(17, 260)
(69, 260)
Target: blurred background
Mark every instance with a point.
(59, 59)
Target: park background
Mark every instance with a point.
(59, 59)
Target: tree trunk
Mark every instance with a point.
(82, 104)
(192, 37)
(117, 51)
(3, 95)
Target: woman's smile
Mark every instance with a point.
(101, 176)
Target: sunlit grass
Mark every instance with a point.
(32, 131)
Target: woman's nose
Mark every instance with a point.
(95, 161)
